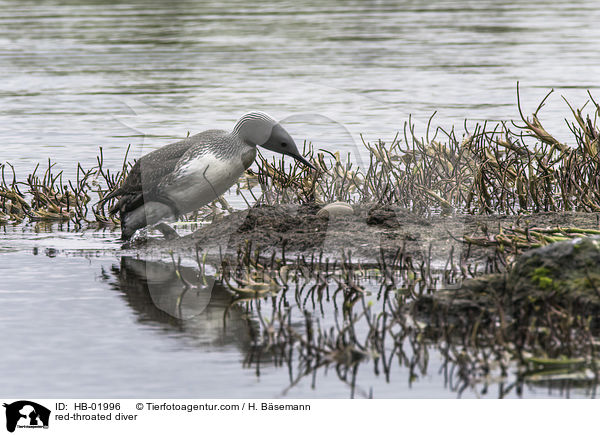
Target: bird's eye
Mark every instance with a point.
(284, 144)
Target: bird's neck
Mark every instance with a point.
(248, 157)
(252, 130)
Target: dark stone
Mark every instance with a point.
(568, 270)
(560, 276)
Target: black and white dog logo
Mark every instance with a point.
(26, 414)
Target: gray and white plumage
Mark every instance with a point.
(186, 175)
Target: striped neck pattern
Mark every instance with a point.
(252, 118)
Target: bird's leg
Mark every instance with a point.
(168, 232)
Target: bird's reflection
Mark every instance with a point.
(181, 299)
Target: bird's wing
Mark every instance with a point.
(146, 174)
(149, 172)
(141, 183)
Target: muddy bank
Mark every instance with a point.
(367, 232)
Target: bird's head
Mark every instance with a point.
(258, 128)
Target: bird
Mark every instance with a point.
(183, 176)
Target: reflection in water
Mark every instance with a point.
(182, 297)
(309, 321)
(197, 305)
(194, 304)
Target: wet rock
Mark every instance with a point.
(569, 270)
(562, 277)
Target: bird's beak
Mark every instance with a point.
(303, 161)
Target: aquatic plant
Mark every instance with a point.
(490, 169)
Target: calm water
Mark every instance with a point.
(76, 75)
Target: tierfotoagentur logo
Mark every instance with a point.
(25, 414)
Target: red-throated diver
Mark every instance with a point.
(183, 176)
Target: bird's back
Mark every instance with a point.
(151, 169)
